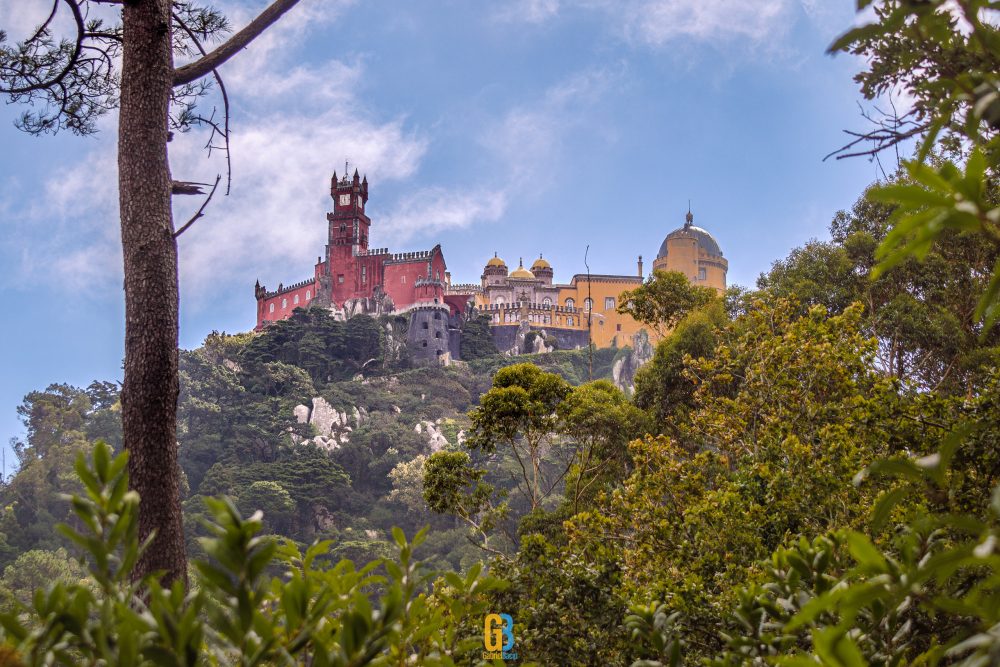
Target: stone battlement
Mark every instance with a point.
(465, 288)
(285, 289)
(539, 307)
(409, 256)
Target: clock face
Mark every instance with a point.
(345, 200)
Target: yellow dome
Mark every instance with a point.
(521, 272)
(495, 261)
(540, 264)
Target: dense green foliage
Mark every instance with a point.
(807, 474)
(255, 600)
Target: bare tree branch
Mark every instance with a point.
(890, 131)
(201, 210)
(225, 106)
(234, 44)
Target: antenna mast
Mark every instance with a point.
(590, 315)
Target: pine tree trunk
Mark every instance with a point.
(149, 395)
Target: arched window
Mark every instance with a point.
(272, 307)
(284, 304)
(437, 334)
(547, 302)
(498, 301)
(609, 303)
(569, 321)
(588, 304)
(296, 299)
(571, 303)
(308, 294)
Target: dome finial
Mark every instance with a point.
(689, 218)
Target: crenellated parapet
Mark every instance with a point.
(462, 289)
(261, 292)
(403, 257)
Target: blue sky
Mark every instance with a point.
(515, 126)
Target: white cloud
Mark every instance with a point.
(658, 23)
(527, 11)
(529, 138)
(438, 209)
(273, 224)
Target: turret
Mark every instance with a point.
(542, 270)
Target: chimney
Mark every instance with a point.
(640, 266)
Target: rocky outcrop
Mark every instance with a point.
(436, 440)
(380, 304)
(333, 427)
(624, 369)
(301, 413)
(394, 346)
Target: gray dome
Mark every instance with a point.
(705, 240)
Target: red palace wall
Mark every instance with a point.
(280, 306)
(401, 279)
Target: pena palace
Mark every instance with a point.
(354, 278)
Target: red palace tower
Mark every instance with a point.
(350, 270)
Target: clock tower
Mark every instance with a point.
(348, 234)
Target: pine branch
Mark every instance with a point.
(201, 67)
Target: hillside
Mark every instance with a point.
(313, 420)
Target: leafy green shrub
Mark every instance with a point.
(236, 612)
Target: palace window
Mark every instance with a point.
(702, 275)
(272, 307)
(609, 303)
(340, 278)
(425, 325)
(569, 321)
(402, 279)
(284, 304)
(547, 302)
(437, 316)
(296, 299)
(588, 304)
(364, 274)
(308, 294)
(618, 327)
(571, 303)
(498, 301)
(437, 334)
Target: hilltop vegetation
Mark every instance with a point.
(239, 435)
